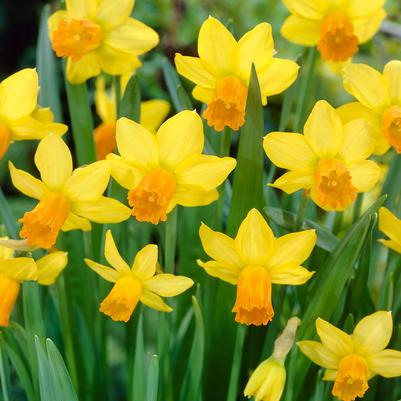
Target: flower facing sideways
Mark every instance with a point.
(255, 260)
(136, 284)
(222, 71)
(98, 36)
(336, 27)
(352, 360)
(390, 225)
(167, 169)
(328, 161)
(68, 200)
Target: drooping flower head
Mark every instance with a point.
(222, 71)
(255, 260)
(328, 161)
(379, 102)
(336, 27)
(68, 200)
(152, 112)
(99, 35)
(138, 283)
(352, 360)
(167, 169)
(20, 117)
(390, 225)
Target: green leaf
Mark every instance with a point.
(153, 379)
(130, 105)
(138, 379)
(4, 372)
(7, 218)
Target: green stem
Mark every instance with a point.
(170, 242)
(7, 216)
(357, 207)
(3, 375)
(225, 143)
(117, 91)
(301, 212)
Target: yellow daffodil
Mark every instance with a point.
(68, 199)
(390, 225)
(153, 113)
(98, 36)
(328, 161)
(50, 266)
(352, 360)
(222, 71)
(379, 102)
(167, 169)
(255, 260)
(336, 27)
(20, 116)
(138, 283)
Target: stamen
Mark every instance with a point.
(9, 290)
(5, 139)
(105, 140)
(391, 125)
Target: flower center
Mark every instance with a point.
(105, 140)
(74, 38)
(122, 299)
(5, 139)
(150, 200)
(9, 290)
(337, 40)
(253, 304)
(352, 378)
(42, 224)
(228, 105)
(391, 125)
(334, 189)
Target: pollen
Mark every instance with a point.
(9, 290)
(334, 189)
(74, 38)
(352, 378)
(122, 299)
(227, 108)
(338, 42)
(42, 224)
(253, 304)
(150, 200)
(5, 139)
(391, 125)
(105, 140)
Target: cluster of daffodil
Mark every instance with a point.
(161, 163)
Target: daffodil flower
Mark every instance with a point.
(379, 102)
(221, 73)
(352, 360)
(167, 169)
(20, 117)
(328, 161)
(390, 225)
(336, 27)
(68, 199)
(153, 113)
(136, 284)
(98, 36)
(255, 260)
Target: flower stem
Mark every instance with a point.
(301, 212)
(170, 242)
(3, 377)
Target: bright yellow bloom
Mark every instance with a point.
(336, 27)
(352, 360)
(222, 71)
(20, 117)
(255, 260)
(152, 112)
(167, 169)
(68, 199)
(379, 102)
(50, 266)
(99, 36)
(390, 225)
(329, 160)
(138, 283)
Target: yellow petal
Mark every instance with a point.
(191, 195)
(294, 181)
(290, 274)
(79, 71)
(333, 338)
(27, 128)
(193, 69)
(154, 301)
(20, 269)
(111, 13)
(330, 375)
(75, 222)
(116, 62)
(112, 255)
(88, 183)
(144, 266)
(300, 30)
(55, 19)
(179, 137)
(373, 333)
(323, 130)
(390, 225)
(136, 144)
(365, 175)
(81, 9)
(313, 9)
(358, 8)
(25, 183)
(124, 173)
(255, 239)
(386, 363)
(220, 270)
(54, 162)
(50, 266)
(392, 74)
(395, 246)
(153, 113)
(319, 354)
(168, 285)
(204, 95)
(107, 273)
(367, 26)
(18, 94)
(367, 85)
(105, 103)
(289, 151)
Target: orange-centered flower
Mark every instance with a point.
(391, 125)
(5, 139)
(105, 139)
(9, 290)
